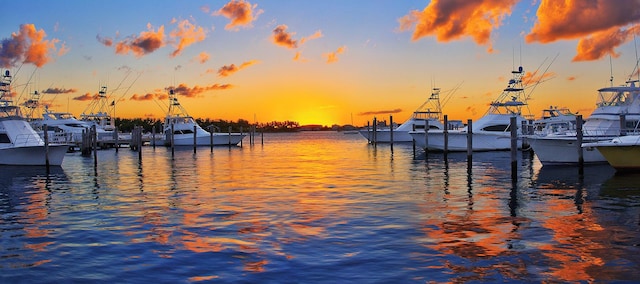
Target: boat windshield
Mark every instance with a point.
(618, 96)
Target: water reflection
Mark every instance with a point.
(25, 197)
(315, 207)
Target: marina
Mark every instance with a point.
(317, 207)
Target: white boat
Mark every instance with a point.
(622, 153)
(98, 113)
(489, 133)
(554, 120)
(179, 127)
(561, 148)
(20, 144)
(64, 127)
(430, 111)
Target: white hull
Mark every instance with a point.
(564, 151)
(33, 155)
(457, 141)
(384, 135)
(219, 139)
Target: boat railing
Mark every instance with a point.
(26, 139)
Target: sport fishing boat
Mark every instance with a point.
(622, 153)
(604, 123)
(20, 144)
(179, 129)
(491, 132)
(430, 111)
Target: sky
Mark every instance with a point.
(315, 62)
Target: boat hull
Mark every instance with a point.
(384, 135)
(622, 158)
(219, 139)
(457, 141)
(563, 151)
(33, 155)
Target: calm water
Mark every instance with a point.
(316, 207)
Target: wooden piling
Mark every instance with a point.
(391, 130)
(46, 146)
(426, 136)
(579, 137)
(195, 138)
(446, 134)
(513, 126)
(469, 138)
(623, 125)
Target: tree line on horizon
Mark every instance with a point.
(219, 125)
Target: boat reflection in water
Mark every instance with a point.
(333, 209)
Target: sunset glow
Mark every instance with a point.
(308, 62)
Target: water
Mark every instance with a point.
(316, 207)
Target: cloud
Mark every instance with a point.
(203, 57)
(317, 34)
(227, 70)
(86, 97)
(59, 91)
(147, 42)
(27, 46)
(283, 38)
(186, 34)
(333, 56)
(600, 44)
(381, 112)
(145, 97)
(451, 20)
(240, 12)
(186, 91)
(601, 25)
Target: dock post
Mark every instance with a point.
(46, 146)
(195, 138)
(469, 139)
(241, 136)
(426, 136)
(211, 129)
(173, 151)
(94, 142)
(579, 136)
(623, 125)
(413, 141)
(139, 141)
(229, 136)
(391, 130)
(513, 126)
(153, 136)
(375, 128)
(446, 135)
(115, 137)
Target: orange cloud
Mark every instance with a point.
(451, 20)
(86, 97)
(240, 12)
(186, 34)
(184, 90)
(283, 38)
(333, 56)
(317, 34)
(148, 42)
(381, 112)
(59, 91)
(27, 46)
(600, 44)
(605, 24)
(227, 70)
(203, 57)
(145, 97)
